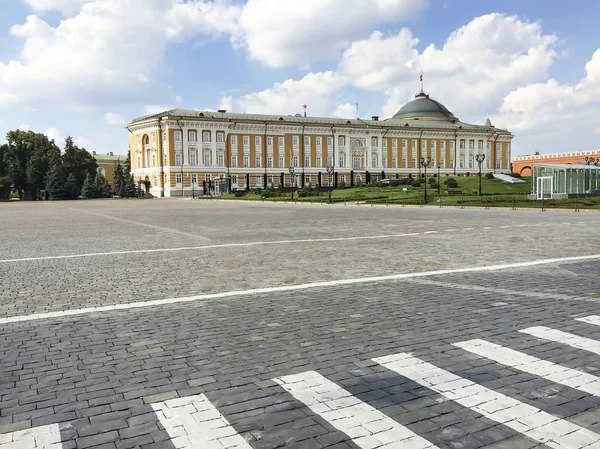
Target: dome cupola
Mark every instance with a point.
(424, 108)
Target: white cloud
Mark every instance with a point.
(346, 110)
(101, 56)
(113, 119)
(156, 108)
(226, 103)
(56, 135)
(24, 127)
(299, 33)
(288, 97)
(65, 7)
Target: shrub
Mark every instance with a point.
(451, 183)
(416, 183)
(431, 181)
(240, 193)
(515, 175)
(434, 185)
(395, 183)
(489, 176)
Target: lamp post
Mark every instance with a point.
(330, 173)
(292, 178)
(480, 158)
(439, 180)
(424, 163)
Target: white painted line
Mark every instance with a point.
(193, 422)
(575, 341)
(365, 425)
(42, 437)
(523, 362)
(592, 319)
(217, 246)
(289, 288)
(523, 418)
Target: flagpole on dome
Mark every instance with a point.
(421, 79)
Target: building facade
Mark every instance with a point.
(523, 164)
(106, 165)
(179, 151)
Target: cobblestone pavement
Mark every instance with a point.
(505, 358)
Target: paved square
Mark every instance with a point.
(181, 324)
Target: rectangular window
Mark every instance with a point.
(498, 147)
(234, 140)
(433, 144)
(192, 136)
(319, 162)
(192, 158)
(177, 136)
(384, 143)
(404, 144)
(462, 145)
(178, 159)
(394, 162)
(414, 163)
(394, 143)
(269, 162)
(207, 177)
(433, 162)
(270, 180)
(259, 180)
(471, 145)
(246, 140)
(414, 144)
(498, 163)
(318, 141)
(295, 161)
(374, 142)
(330, 161)
(269, 141)
(451, 163)
(423, 144)
(139, 162)
(480, 145)
(384, 161)
(246, 161)
(206, 158)
(234, 179)
(487, 145)
(307, 161)
(341, 161)
(343, 179)
(452, 145)
(403, 162)
(257, 162)
(281, 143)
(166, 181)
(234, 161)
(341, 141)
(164, 158)
(154, 159)
(220, 137)
(295, 140)
(443, 145)
(443, 163)
(220, 160)
(257, 141)
(194, 179)
(329, 142)
(461, 163)
(281, 162)
(307, 179)
(178, 178)
(373, 160)
(306, 141)
(206, 136)
(356, 162)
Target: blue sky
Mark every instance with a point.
(85, 68)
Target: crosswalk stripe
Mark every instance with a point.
(556, 373)
(367, 426)
(575, 341)
(592, 319)
(193, 422)
(523, 418)
(42, 437)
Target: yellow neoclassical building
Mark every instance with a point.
(178, 152)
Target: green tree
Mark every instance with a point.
(5, 181)
(102, 187)
(55, 180)
(131, 187)
(118, 178)
(71, 190)
(128, 163)
(88, 190)
(79, 162)
(5, 187)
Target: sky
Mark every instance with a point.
(87, 68)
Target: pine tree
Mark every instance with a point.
(122, 189)
(131, 188)
(88, 190)
(55, 181)
(102, 187)
(118, 178)
(71, 191)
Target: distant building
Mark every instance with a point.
(523, 164)
(179, 150)
(106, 164)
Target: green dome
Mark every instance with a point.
(424, 108)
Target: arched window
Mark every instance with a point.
(102, 171)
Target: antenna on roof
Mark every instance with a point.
(357, 116)
(304, 109)
(421, 79)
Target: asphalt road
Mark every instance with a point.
(182, 324)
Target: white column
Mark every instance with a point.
(184, 145)
(213, 149)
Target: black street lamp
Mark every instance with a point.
(330, 169)
(439, 180)
(480, 158)
(292, 176)
(424, 163)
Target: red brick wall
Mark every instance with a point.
(522, 164)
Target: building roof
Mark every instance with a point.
(110, 157)
(424, 108)
(591, 167)
(416, 122)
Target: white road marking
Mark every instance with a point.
(193, 422)
(575, 341)
(523, 418)
(216, 246)
(42, 437)
(365, 425)
(287, 288)
(592, 319)
(523, 362)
